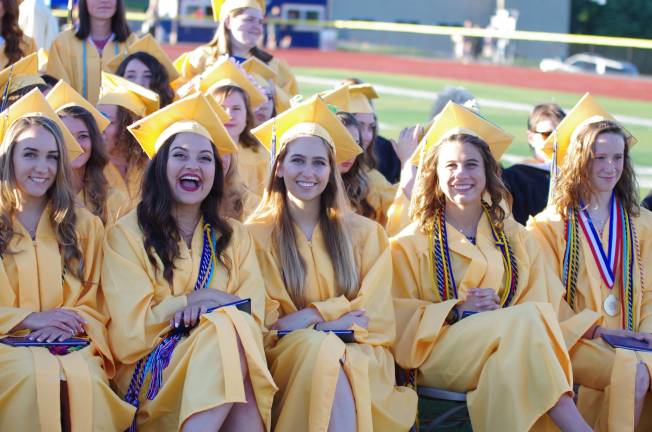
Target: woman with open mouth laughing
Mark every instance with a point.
(602, 265)
(326, 269)
(170, 267)
(472, 290)
(51, 251)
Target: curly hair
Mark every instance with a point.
(155, 213)
(574, 184)
(96, 186)
(232, 204)
(125, 142)
(11, 32)
(428, 196)
(247, 139)
(332, 222)
(356, 180)
(60, 196)
(160, 80)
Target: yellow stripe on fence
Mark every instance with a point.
(444, 31)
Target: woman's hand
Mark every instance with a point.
(479, 300)
(408, 141)
(210, 295)
(298, 320)
(189, 316)
(50, 334)
(346, 321)
(68, 321)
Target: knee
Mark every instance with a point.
(642, 381)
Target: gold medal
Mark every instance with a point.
(611, 305)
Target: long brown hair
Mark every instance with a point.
(428, 196)
(221, 42)
(157, 222)
(247, 139)
(60, 196)
(11, 32)
(574, 183)
(96, 186)
(232, 204)
(332, 222)
(160, 80)
(125, 142)
(356, 180)
(119, 24)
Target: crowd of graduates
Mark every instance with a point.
(189, 245)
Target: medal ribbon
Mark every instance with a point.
(606, 262)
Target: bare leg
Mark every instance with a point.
(567, 417)
(642, 387)
(209, 420)
(245, 416)
(343, 415)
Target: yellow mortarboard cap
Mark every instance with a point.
(34, 104)
(146, 44)
(585, 112)
(254, 66)
(281, 100)
(310, 118)
(63, 96)
(457, 119)
(193, 114)
(340, 98)
(116, 90)
(181, 63)
(224, 72)
(21, 74)
(222, 8)
(265, 76)
(360, 96)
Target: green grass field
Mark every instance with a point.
(395, 111)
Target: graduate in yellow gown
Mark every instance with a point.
(123, 103)
(51, 253)
(15, 44)
(79, 55)
(277, 99)
(465, 255)
(595, 208)
(326, 269)
(19, 79)
(237, 94)
(89, 183)
(168, 262)
(239, 31)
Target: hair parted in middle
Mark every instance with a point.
(160, 81)
(334, 212)
(428, 196)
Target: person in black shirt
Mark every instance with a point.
(528, 181)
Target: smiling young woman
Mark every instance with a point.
(596, 204)
(167, 264)
(49, 278)
(239, 31)
(326, 268)
(463, 255)
(79, 55)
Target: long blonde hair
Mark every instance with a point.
(60, 195)
(332, 221)
(574, 183)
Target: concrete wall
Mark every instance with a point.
(534, 15)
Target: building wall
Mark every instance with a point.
(534, 15)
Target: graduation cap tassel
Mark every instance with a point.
(554, 170)
(5, 94)
(272, 148)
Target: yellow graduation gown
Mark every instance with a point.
(32, 280)
(117, 204)
(381, 194)
(398, 214)
(80, 64)
(27, 45)
(204, 371)
(512, 362)
(203, 56)
(131, 187)
(306, 363)
(606, 375)
(253, 168)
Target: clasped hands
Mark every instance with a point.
(310, 316)
(199, 302)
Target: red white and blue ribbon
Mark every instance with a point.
(607, 262)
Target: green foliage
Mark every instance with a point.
(625, 18)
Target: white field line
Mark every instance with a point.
(430, 95)
(643, 173)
